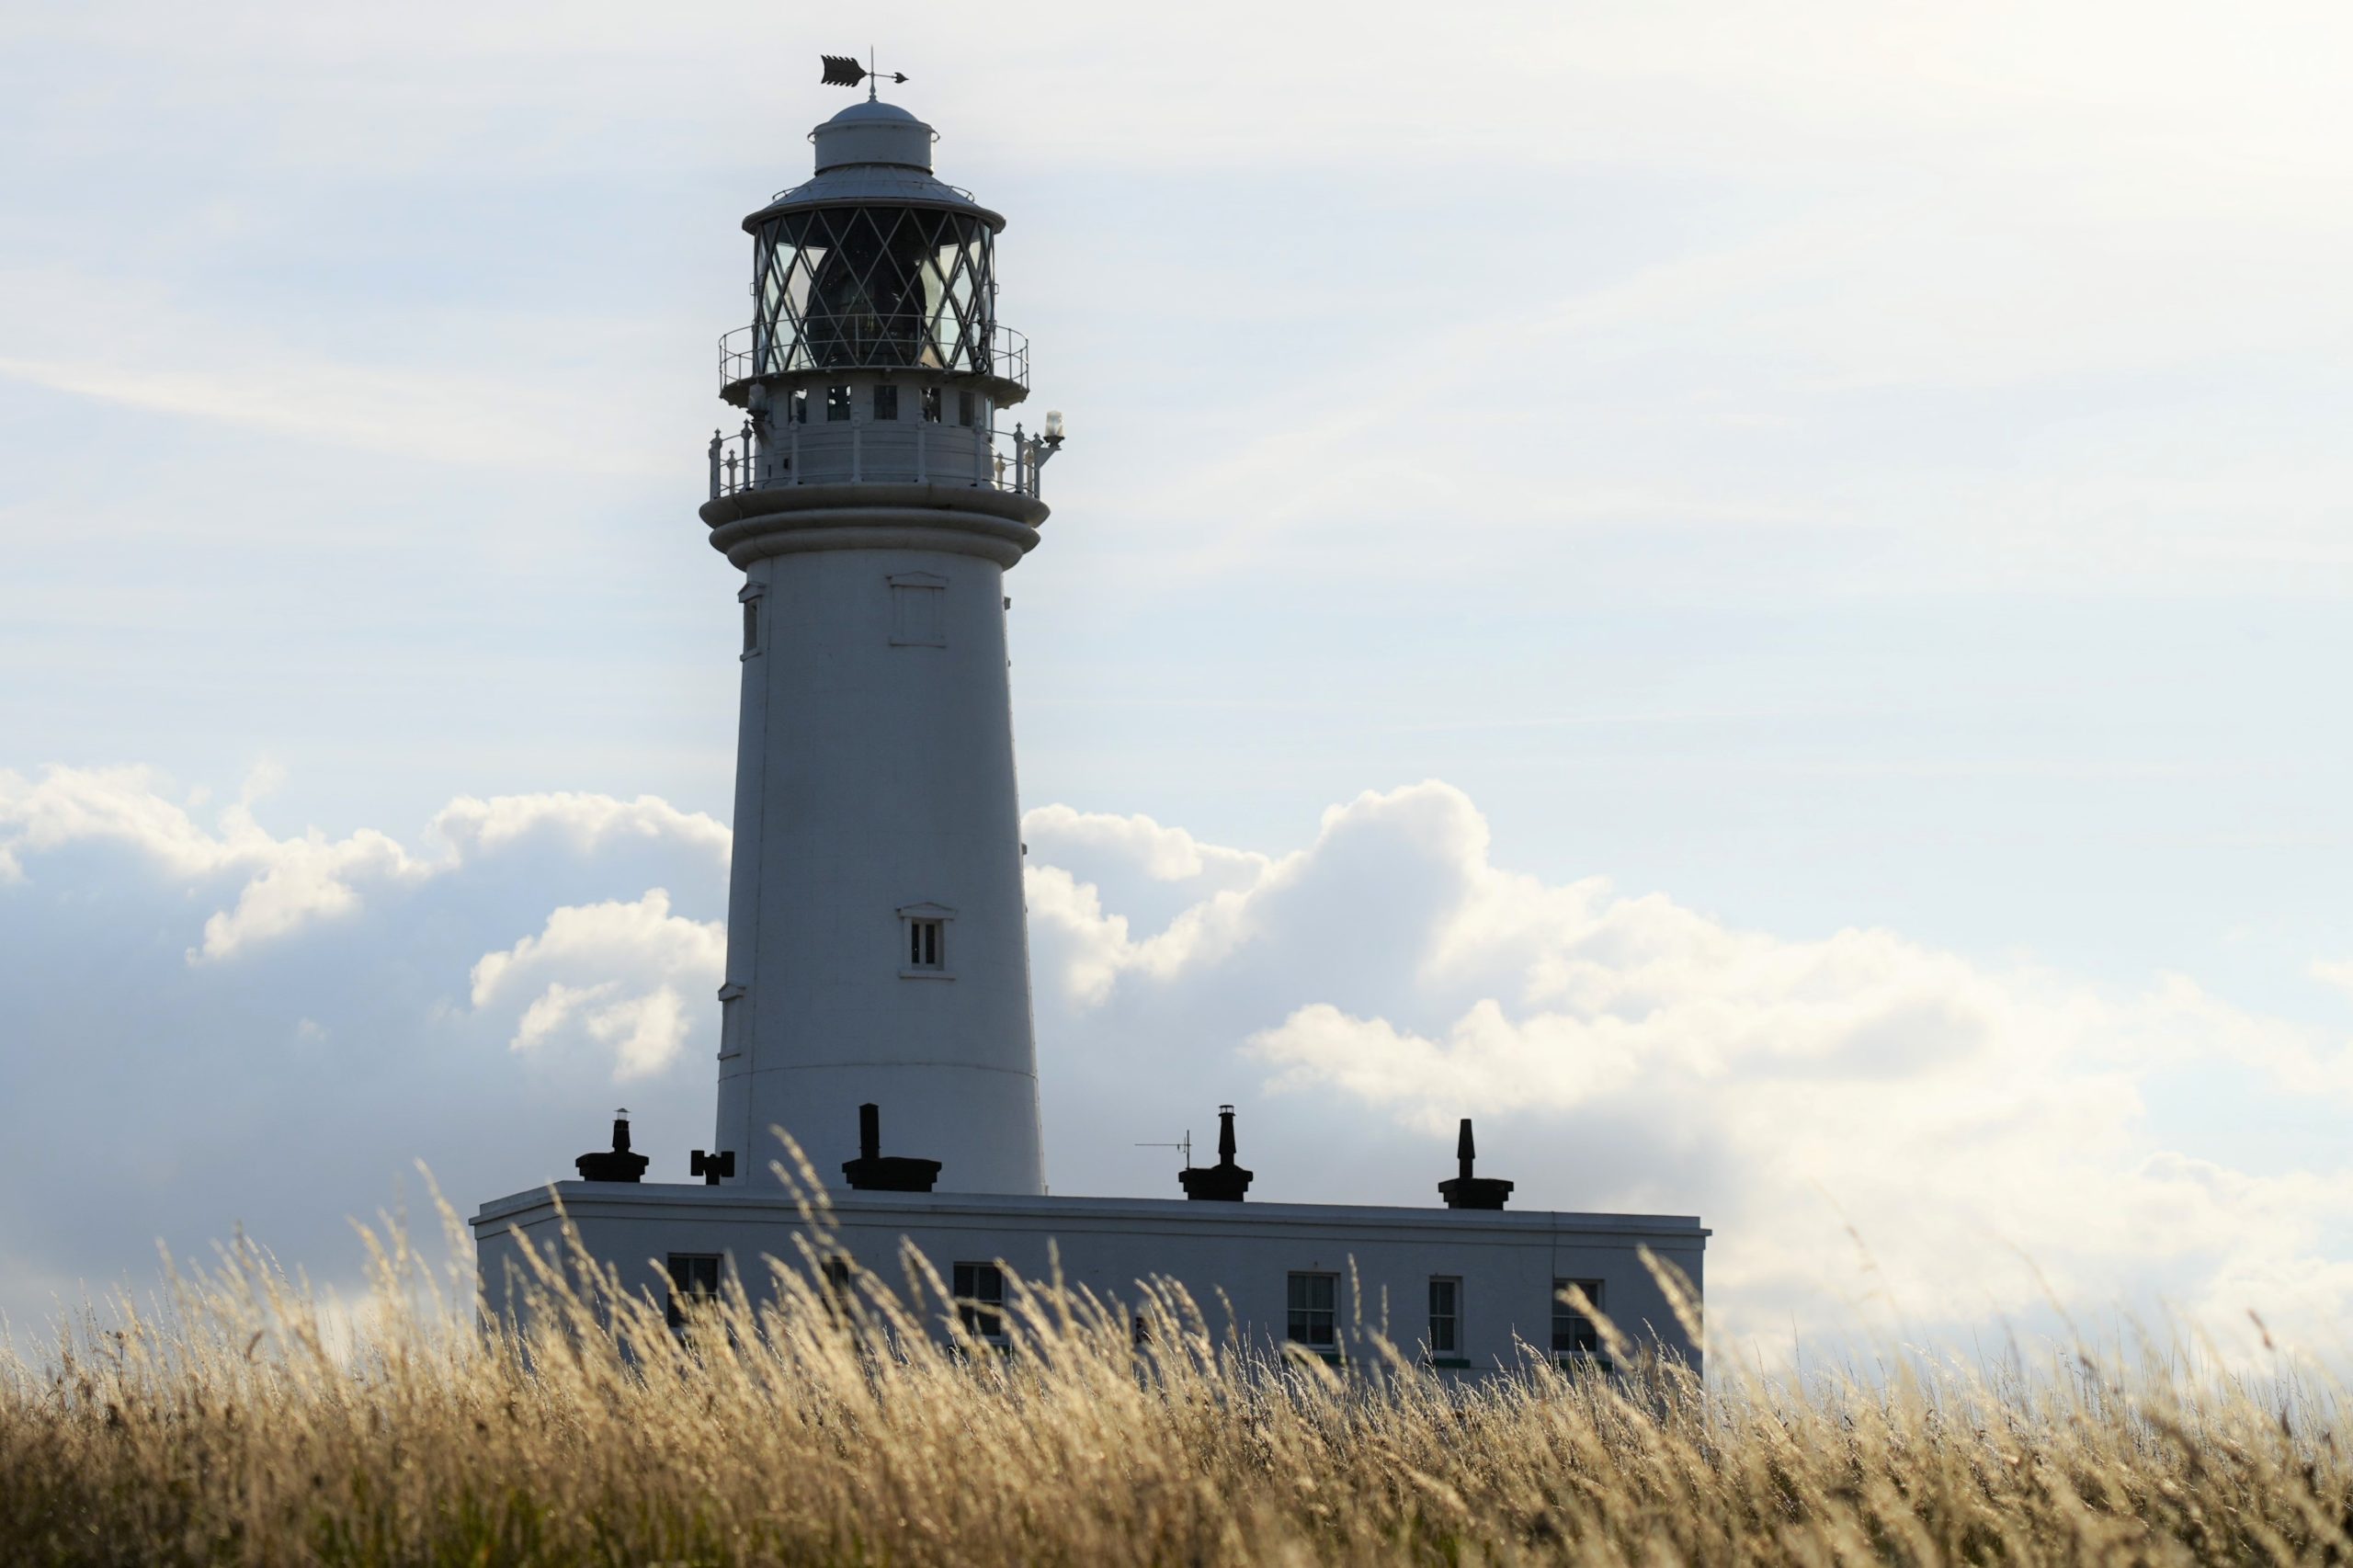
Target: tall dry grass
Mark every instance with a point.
(247, 1422)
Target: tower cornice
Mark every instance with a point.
(995, 525)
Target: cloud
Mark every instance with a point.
(639, 1018)
(1632, 1053)
(1982, 1128)
(289, 882)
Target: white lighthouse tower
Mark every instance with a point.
(874, 492)
(876, 952)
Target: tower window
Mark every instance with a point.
(1315, 1310)
(800, 406)
(750, 597)
(1574, 1334)
(886, 402)
(923, 942)
(968, 408)
(1446, 1316)
(931, 406)
(917, 602)
(694, 1283)
(837, 403)
(979, 1296)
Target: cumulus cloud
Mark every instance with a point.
(1980, 1127)
(639, 1017)
(360, 1003)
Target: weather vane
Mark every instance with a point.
(843, 71)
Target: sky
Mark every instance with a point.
(1754, 596)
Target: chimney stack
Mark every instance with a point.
(873, 1170)
(1468, 1191)
(1224, 1182)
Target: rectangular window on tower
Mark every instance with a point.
(751, 627)
(886, 403)
(916, 610)
(800, 406)
(837, 404)
(924, 943)
(968, 409)
(931, 406)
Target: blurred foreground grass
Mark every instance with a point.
(248, 1422)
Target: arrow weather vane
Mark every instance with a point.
(843, 71)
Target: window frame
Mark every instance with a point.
(1584, 1343)
(837, 404)
(983, 1317)
(1451, 1284)
(918, 609)
(885, 404)
(686, 1271)
(754, 623)
(1301, 1317)
(912, 919)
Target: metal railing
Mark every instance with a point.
(984, 457)
(868, 343)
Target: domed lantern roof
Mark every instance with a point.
(873, 132)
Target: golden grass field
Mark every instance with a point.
(244, 1421)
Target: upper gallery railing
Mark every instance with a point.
(872, 343)
(869, 453)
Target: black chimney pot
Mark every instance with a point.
(1224, 1182)
(874, 1171)
(617, 1163)
(1468, 1191)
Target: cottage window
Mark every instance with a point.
(1445, 1315)
(980, 1300)
(694, 1283)
(1573, 1333)
(1315, 1310)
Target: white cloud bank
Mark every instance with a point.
(354, 1003)
(1981, 1129)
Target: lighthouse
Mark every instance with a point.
(874, 490)
(874, 482)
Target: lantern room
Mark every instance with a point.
(874, 265)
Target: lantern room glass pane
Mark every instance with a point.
(880, 287)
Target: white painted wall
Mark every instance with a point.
(1508, 1261)
(874, 773)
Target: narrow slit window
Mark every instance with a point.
(968, 408)
(886, 403)
(931, 406)
(980, 1300)
(751, 626)
(800, 406)
(924, 938)
(837, 404)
